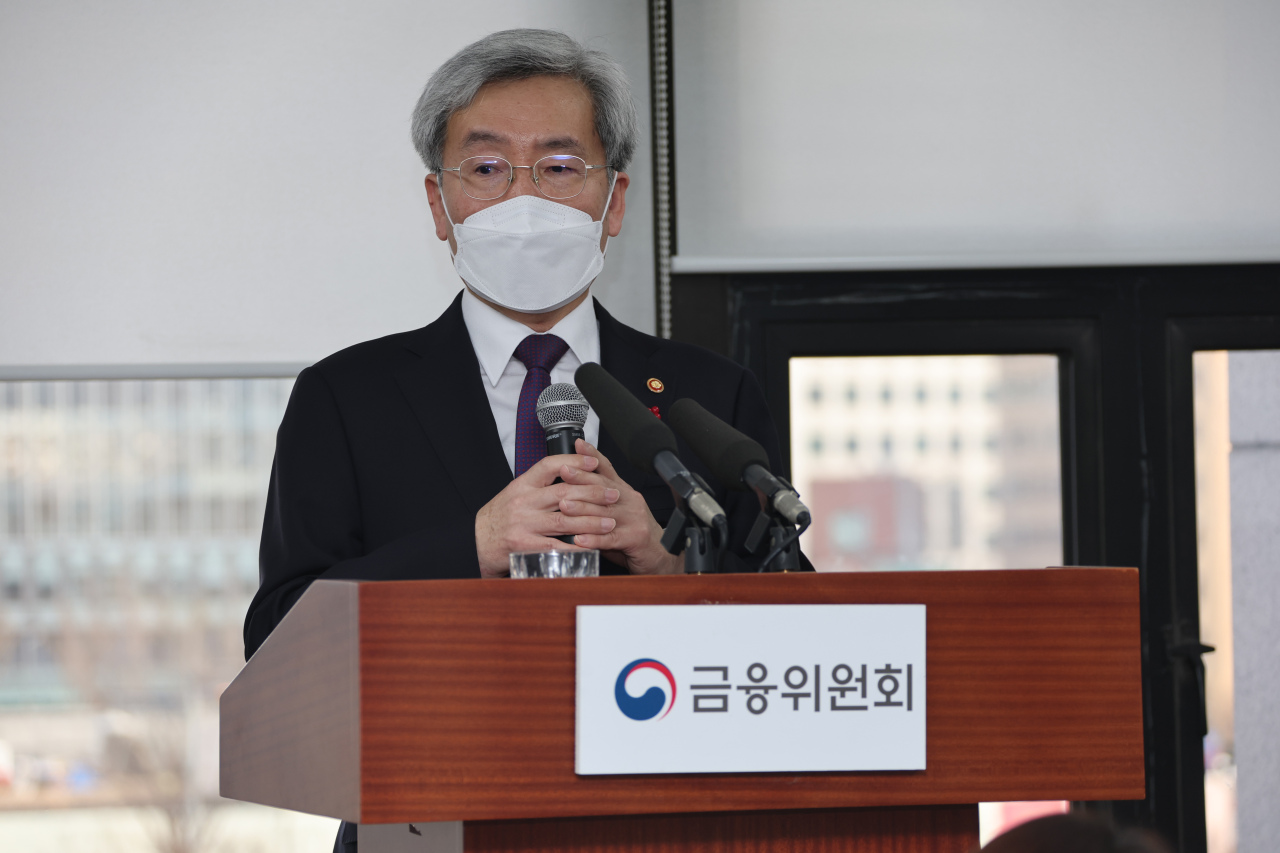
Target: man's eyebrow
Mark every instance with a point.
(487, 136)
(555, 144)
(560, 143)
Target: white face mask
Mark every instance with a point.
(529, 253)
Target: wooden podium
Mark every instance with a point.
(427, 701)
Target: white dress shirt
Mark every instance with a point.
(495, 337)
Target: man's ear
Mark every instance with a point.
(443, 230)
(617, 205)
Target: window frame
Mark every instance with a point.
(1125, 337)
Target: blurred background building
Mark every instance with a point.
(130, 512)
(928, 462)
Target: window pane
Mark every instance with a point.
(928, 462)
(1213, 558)
(931, 462)
(130, 513)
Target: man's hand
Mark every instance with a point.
(635, 541)
(524, 516)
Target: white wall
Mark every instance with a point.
(832, 134)
(1255, 589)
(212, 183)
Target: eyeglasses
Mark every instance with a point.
(555, 176)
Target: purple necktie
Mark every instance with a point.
(539, 353)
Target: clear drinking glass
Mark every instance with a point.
(555, 564)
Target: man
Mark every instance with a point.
(414, 456)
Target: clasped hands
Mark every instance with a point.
(593, 504)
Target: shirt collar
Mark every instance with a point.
(495, 336)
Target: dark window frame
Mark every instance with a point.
(1125, 338)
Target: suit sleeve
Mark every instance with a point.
(313, 527)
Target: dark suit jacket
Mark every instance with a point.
(388, 449)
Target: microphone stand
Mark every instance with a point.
(783, 535)
(702, 544)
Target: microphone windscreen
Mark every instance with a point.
(562, 405)
(725, 451)
(640, 435)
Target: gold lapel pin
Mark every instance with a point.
(656, 386)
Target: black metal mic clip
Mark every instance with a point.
(702, 544)
(782, 534)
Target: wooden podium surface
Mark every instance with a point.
(389, 702)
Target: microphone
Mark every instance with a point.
(646, 441)
(736, 460)
(562, 411)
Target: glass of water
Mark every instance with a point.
(555, 564)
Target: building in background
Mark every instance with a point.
(130, 513)
(928, 462)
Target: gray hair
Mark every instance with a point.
(517, 55)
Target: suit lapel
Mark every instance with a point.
(626, 355)
(443, 386)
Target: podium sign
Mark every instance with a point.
(750, 688)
